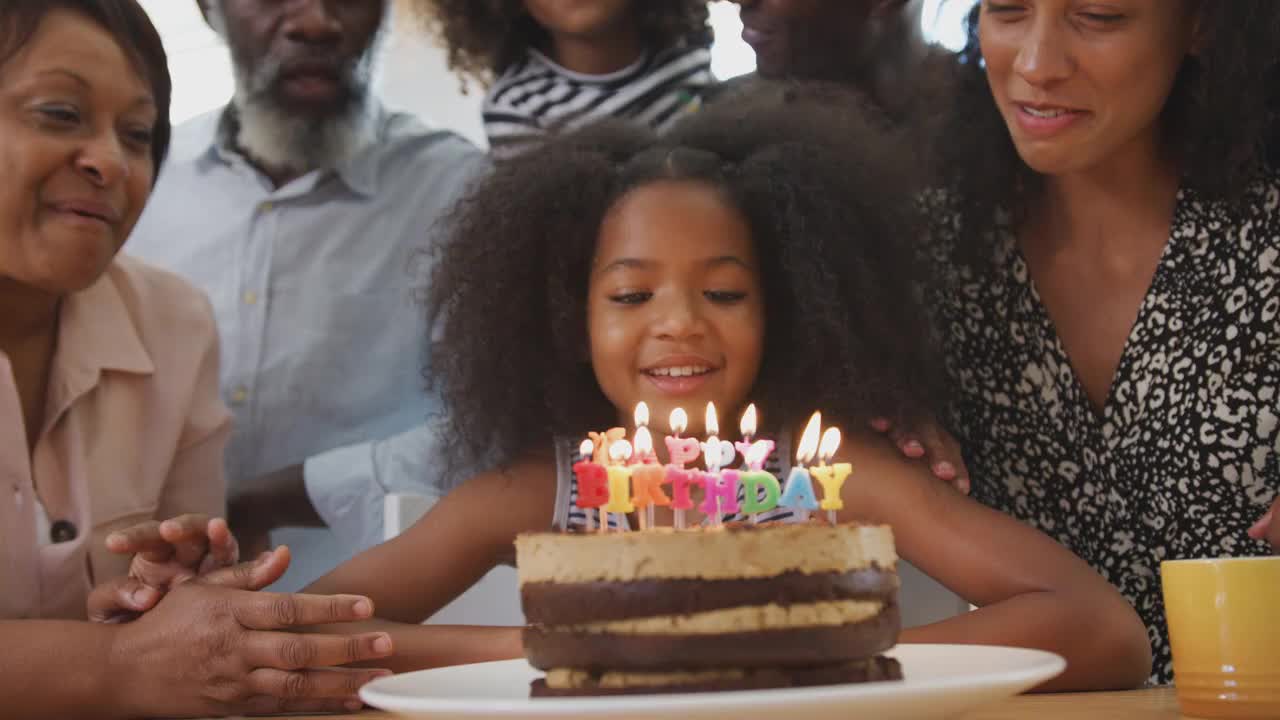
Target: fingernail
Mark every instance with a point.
(363, 608)
(963, 484)
(382, 644)
(880, 424)
(142, 596)
(353, 705)
(914, 449)
(944, 470)
(115, 539)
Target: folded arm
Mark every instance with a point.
(1031, 591)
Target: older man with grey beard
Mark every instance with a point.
(303, 208)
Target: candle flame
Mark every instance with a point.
(830, 443)
(642, 414)
(712, 425)
(809, 440)
(748, 423)
(679, 420)
(643, 442)
(587, 448)
(620, 451)
(758, 453)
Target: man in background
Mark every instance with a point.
(874, 46)
(306, 211)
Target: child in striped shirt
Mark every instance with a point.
(550, 66)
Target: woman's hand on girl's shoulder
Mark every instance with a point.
(929, 441)
(1268, 527)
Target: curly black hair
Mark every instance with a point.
(486, 37)
(1220, 119)
(828, 196)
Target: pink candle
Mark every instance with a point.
(680, 451)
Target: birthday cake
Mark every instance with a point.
(708, 609)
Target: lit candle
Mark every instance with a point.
(647, 478)
(593, 481)
(831, 477)
(798, 493)
(680, 451)
(754, 480)
(748, 428)
(619, 482)
(717, 453)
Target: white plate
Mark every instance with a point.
(942, 681)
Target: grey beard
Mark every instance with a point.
(280, 139)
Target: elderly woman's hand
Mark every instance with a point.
(215, 648)
(1268, 527)
(165, 554)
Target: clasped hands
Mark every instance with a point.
(202, 640)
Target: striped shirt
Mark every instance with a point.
(568, 514)
(538, 97)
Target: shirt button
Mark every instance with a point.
(239, 395)
(251, 298)
(62, 531)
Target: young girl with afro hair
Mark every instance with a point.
(551, 66)
(759, 253)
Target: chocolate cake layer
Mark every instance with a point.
(591, 685)
(547, 603)
(548, 648)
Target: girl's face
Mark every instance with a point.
(675, 309)
(76, 125)
(1082, 81)
(579, 18)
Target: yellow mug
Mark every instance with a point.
(1224, 629)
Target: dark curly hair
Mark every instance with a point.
(486, 37)
(1220, 119)
(828, 196)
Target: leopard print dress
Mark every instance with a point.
(1183, 457)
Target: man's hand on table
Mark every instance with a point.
(215, 646)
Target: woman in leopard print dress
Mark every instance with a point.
(1108, 279)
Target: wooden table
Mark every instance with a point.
(1160, 704)
(1157, 704)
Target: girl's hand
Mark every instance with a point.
(931, 442)
(165, 554)
(1268, 527)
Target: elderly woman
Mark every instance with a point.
(1108, 249)
(109, 412)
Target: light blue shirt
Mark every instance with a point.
(316, 287)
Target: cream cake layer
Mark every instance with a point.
(703, 554)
